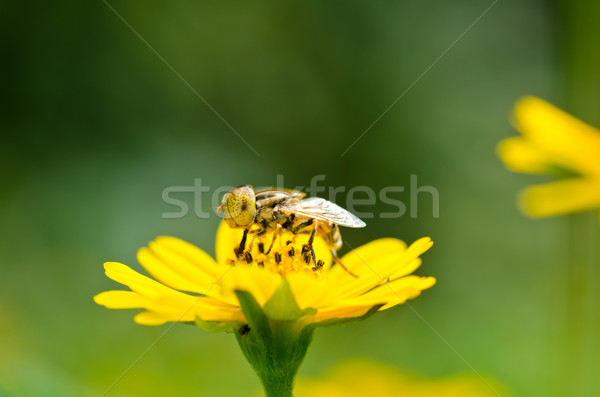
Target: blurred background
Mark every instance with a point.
(95, 126)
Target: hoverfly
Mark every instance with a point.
(274, 209)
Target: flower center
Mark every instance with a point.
(282, 252)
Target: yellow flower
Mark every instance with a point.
(559, 144)
(189, 286)
(358, 378)
(273, 297)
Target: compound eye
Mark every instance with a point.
(241, 206)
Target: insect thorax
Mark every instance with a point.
(270, 217)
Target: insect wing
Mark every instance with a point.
(321, 209)
(277, 194)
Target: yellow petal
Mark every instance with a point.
(150, 318)
(141, 284)
(259, 282)
(561, 197)
(227, 240)
(571, 142)
(395, 292)
(172, 271)
(309, 291)
(182, 266)
(120, 300)
(147, 288)
(341, 311)
(171, 304)
(208, 309)
(377, 261)
(520, 155)
(384, 250)
(405, 270)
(168, 265)
(189, 251)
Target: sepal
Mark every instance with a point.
(274, 347)
(283, 306)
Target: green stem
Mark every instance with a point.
(277, 359)
(579, 58)
(582, 363)
(277, 384)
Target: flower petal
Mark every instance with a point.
(405, 270)
(260, 283)
(206, 308)
(571, 142)
(377, 261)
(120, 300)
(520, 155)
(395, 292)
(310, 291)
(151, 318)
(190, 252)
(227, 240)
(172, 272)
(165, 262)
(172, 305)
(561, 197)
(141, 284)
(341, 311)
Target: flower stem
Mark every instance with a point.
(277, 384)
(579, 58)
(277, 358)
(583, 363)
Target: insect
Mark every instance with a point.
(244, 329)
(274, 209)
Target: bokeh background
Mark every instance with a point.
(94, 126)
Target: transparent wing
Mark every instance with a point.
(318, 208)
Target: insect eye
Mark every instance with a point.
(241, 206)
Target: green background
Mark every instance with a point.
(94, 126)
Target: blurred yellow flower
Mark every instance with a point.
(558, 144)
(189, 286)
(358, 378)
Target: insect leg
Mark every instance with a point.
(258, 234)
(308, 247)
(247, 253)
(238, 251)
(275, 234)
(338, 261)
(302, 225)
(311, 239)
